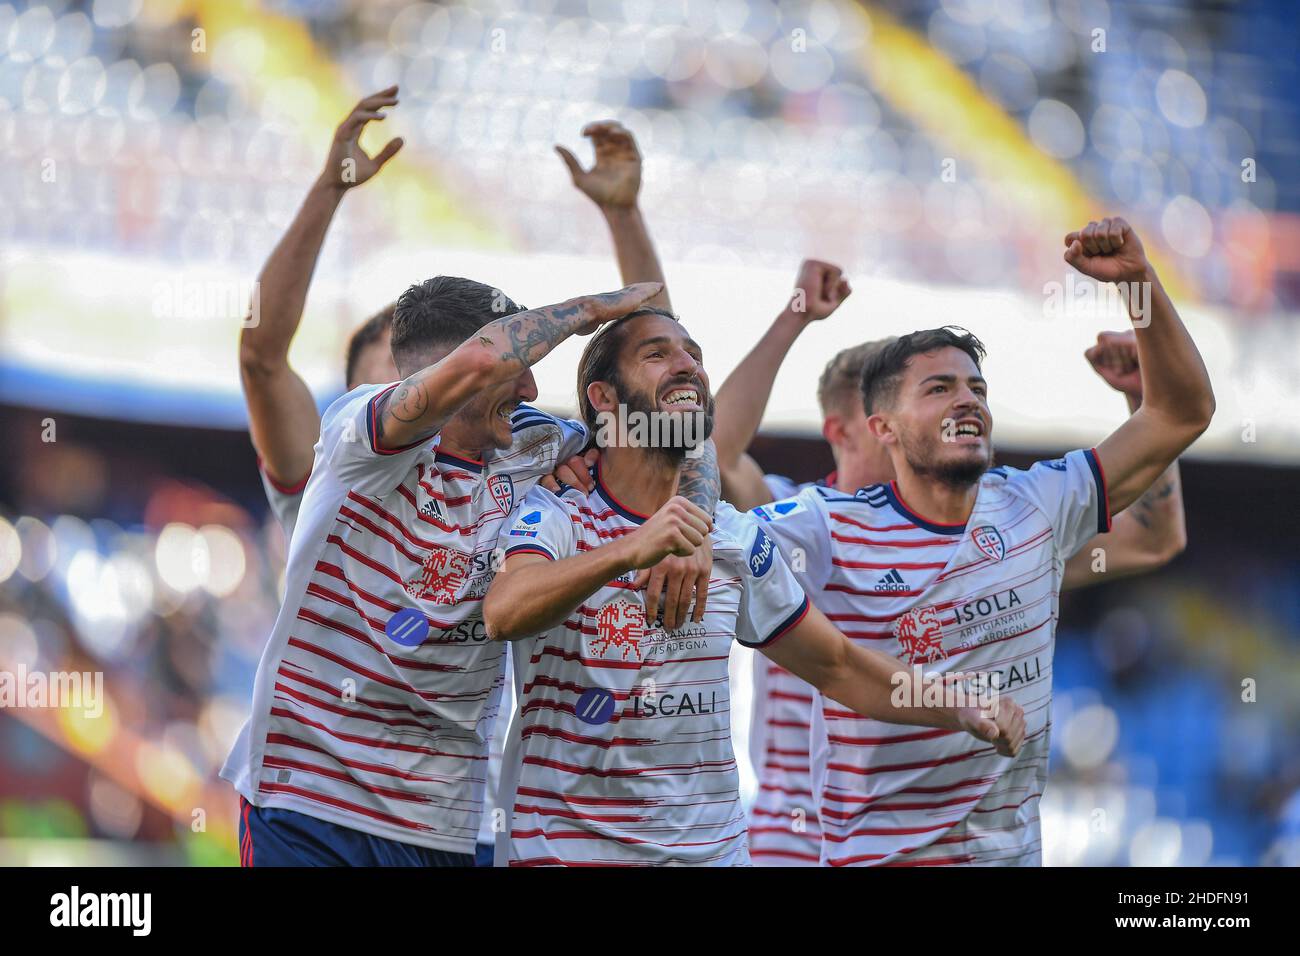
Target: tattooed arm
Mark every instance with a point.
(496, 353)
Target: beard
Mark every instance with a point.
(960, 474)
(680, 441)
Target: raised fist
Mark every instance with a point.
(819, 290)
(1115, 359)
(1108, 251)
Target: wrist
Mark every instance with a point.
(329, 186)
(791, 323)
(615, 212)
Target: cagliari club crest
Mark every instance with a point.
(920, 635)
(502, 490)
(441, 577)
(620, 626)
(989, 540)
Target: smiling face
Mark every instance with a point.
(658, 369)
(484, 421)
(937, 420)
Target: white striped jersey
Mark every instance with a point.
(783, 826)
(975, 597)
(285, 501)
(620, 752)
(378, 689)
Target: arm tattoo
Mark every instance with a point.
(699, 482)
(1144, 508)
(533, 334)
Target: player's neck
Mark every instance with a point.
(640, 479)
(854, 471)
(453, 443)
(936, 501)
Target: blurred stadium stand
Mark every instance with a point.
(146, 162)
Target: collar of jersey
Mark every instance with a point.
(618, 507)
(896, 502)
(447, 458)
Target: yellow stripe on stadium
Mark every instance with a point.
(419, 208)
(924, 85)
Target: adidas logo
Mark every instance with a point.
(891, 582)
(431, 509)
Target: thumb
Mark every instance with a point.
(389, 151)
(986, 729)
(575, 168)
(1074, 252)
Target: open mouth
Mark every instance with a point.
(969, 428)
(505, 411)
(681, 396)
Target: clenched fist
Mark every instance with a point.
(679, 527)
(820, 289)
(1115, 359)
(1108, 251)
(1004, 728)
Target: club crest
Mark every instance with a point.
(989, 540)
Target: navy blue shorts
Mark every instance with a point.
(271, 837)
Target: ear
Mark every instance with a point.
(881, 429)
(833, 430)
(602, 396)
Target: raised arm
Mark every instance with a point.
(531, 594)
(819, 290)
(498, 352)
(1152, 531)
(1178, 400)
(878, 686)
(282, 414)
(613, 184)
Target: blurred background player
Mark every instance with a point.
(960, 566)
(621, 752)
(785, 830)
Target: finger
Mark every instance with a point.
(565, 474)
(575, 168)
(1124, 229)
(692, 534)
(1071, 237)
(1103, 237)
(351, 127)
(598, 128)
(550, 484)
(1074, 253)
(1089, 237)
(391, 149)
(1116, 234)
(677, 599)
(654, 586)
(389, 93)
(844, 290)
(701, 596)
(986, 730)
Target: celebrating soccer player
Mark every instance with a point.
(621, 749)
(967, 562)
(377, 689)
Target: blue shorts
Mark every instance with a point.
(271, 837)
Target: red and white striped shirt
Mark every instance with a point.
(975, 597)
(621, 753)
(377, 691)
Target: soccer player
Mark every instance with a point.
(620, 752)
(784, 828)
(954, 564)
(377, 689)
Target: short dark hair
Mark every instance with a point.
(370, 332)
(883, 370)
(841, 379)
(599, 362)
(443, 312)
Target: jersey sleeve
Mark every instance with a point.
(799, 528)
(779, 486)
(352, 449)
(572, 436)
(285, 500)
(540, 524)
(1071, 492)
(771, 601)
